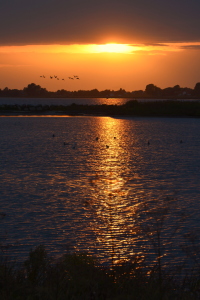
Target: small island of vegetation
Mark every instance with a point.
(132, 108)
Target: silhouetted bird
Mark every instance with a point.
(74, 146)
(2, 214)
(107, 146)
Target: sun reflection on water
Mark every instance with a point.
(110, 207)
(112, 212)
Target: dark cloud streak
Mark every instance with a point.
(66, 22)
(190, 47)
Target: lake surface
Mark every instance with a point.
(100, 184)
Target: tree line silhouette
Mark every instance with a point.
(151, 91)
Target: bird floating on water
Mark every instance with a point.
(74, 146)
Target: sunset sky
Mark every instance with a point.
(108, 44)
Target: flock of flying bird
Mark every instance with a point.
(57, 78)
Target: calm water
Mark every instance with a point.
(97, 185)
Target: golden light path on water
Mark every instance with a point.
(113, 213)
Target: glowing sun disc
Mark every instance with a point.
(113, 48)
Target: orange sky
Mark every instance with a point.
(160, 43)
(114, 66)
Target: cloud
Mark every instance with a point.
(190, 47)
(81, 22)
(7, 52)
(156, 45)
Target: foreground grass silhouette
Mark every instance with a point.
(79, 276)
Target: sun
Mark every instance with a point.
(112, 48)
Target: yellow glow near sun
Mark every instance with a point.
(112, 48)
(99, 48)
(76, 48)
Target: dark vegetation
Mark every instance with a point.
(151, 91)
(79, 276)
(167, 108)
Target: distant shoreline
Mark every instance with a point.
(132, 108)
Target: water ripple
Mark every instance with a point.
(90, 183)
